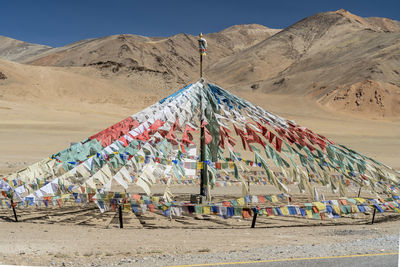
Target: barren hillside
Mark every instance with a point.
(173, 58)
(15, 50)
(44, 85)
(346, 62)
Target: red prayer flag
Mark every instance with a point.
(157, 124)
(278, 144)
(207, 135)
(270, 137)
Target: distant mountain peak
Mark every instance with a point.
(16, 50)
(374, 23)
(326, 53)
(344, 12)
(353, 17)
(247, 27)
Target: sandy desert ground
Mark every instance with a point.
(75, 245)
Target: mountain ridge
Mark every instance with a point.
(330, 57)
(319, 55)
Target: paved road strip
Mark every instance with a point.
(292, 259)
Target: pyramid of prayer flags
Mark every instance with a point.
(158, 145)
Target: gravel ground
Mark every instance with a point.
(387, 243)
(382, 244)
(57, 241)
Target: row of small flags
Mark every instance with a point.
(245, 206)
(240, 207)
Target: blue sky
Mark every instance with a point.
(58, 22)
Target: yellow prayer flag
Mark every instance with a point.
(199, 165)
(336, 208)
(231, 165)
(354, 208)
(127, 207)
(206, 210)
(320, 206)
(361, 200)
(240, 201)
(285, 211)
(155, 199)
(274, 198)
(309, 214)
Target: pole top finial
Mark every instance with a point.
(201, 35)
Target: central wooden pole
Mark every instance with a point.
(203, 174)
(201, 65)
(203, 171)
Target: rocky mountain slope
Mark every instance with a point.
(174, 58)
(345, 62)
(15, 50)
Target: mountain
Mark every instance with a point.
(174, 58)
(119, 69)
(15, 50)
(345, 62)
(48, 86)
